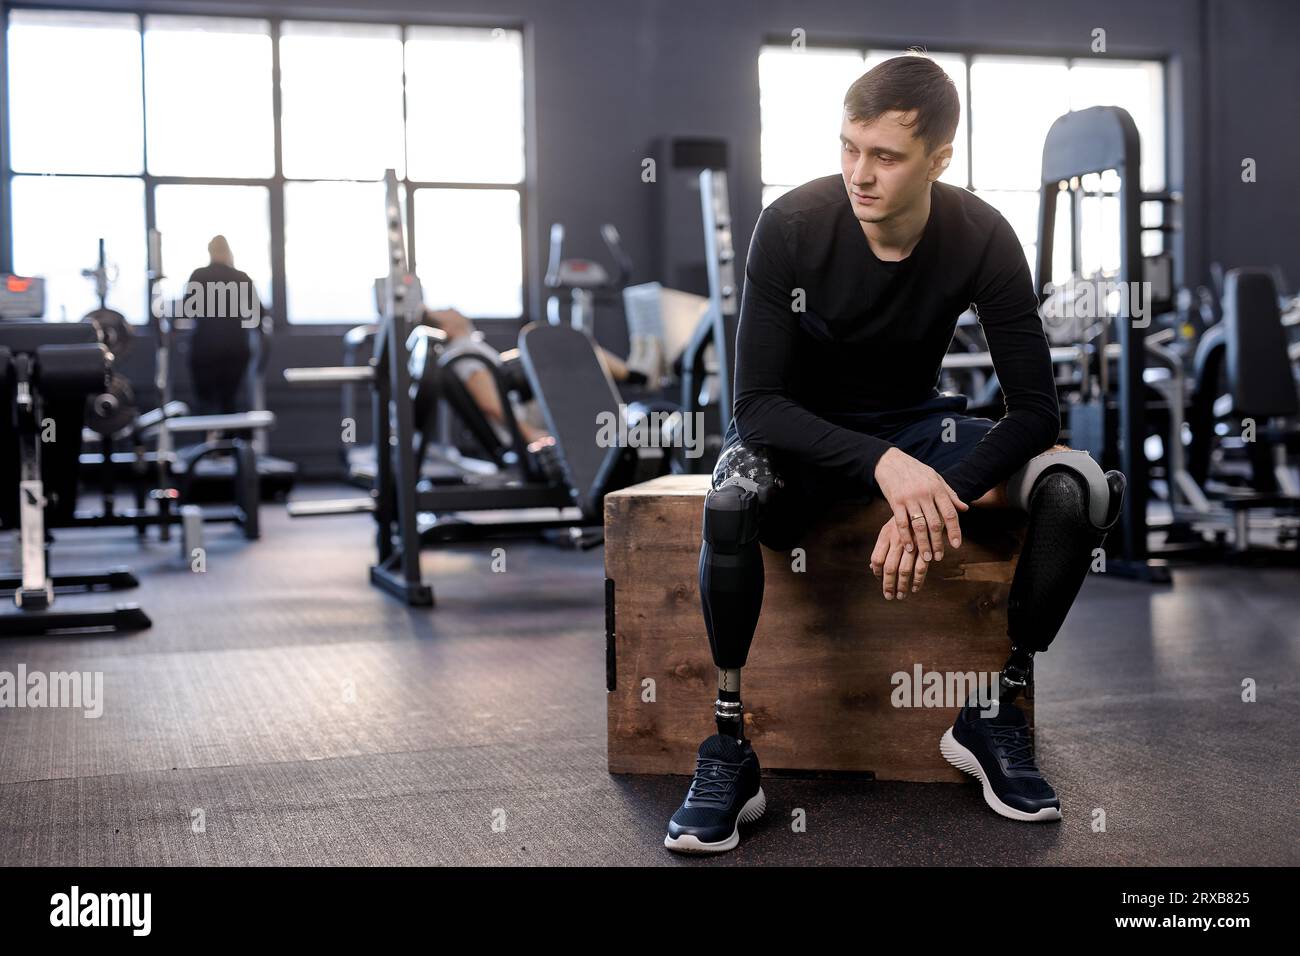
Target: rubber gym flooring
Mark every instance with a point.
(313, 720)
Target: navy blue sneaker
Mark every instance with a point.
(724, 794)
(998, 751)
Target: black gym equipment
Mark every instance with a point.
(48, 372)
(710, 355)
(21, 297)
(553, 489)
(115, 408)
(1138, 386)
(110, 325)
(166, 482)
(1244, 373)
(456, 441)
(358, 460)
(585, 280)
(1088, 143)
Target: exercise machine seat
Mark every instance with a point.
(1259, 370)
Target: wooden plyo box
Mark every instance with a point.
(825, 674)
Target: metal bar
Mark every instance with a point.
(442, 499)
(396, 583)
(329, 375)
(1048, 195)
(279, 270)
(1131, 338)
(150, 200)
(206, 8)
(972, 48)
(458, 531)
(331, 506)
(400, 451)
(124, 617)
(6, 177)
(720, 259)
(114, 579)
(236, 421)
(529, 252)
(133, 518)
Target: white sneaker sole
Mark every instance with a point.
(687, 843)
(965, 761)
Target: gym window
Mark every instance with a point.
(1007, 105)
(177, 123)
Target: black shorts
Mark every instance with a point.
(801, 492)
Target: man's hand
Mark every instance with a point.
(900, 570)
(923, 504)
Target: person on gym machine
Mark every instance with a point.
(462, 336)
(853, 287)
(220, 347)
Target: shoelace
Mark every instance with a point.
(714, 780)
(1015, 745)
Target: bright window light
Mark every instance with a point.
(189, 216)
(75, 104)
(1137, 87)
(50, 243)
(1015, 102)
(92, 100)
(465, 105)
(335, 247)
(209, 97)
(801, 99)
(469, 250)
(341, 87)
(801, 103)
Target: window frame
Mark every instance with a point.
(277, 181)
(968, 53)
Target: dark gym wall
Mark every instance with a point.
(607, 78)
(1253, 81)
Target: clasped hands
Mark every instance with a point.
(925, 513)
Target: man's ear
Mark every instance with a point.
(940, 161)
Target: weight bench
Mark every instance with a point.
(239, 429)
(573, 389)
(48, 371)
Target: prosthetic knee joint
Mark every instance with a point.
(731, 571)
(1071, 505)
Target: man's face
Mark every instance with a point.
(886, 169)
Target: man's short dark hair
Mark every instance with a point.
(905, 83)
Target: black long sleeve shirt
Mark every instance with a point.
(828, 332)
(226, 331)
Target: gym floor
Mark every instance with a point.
(313, 720)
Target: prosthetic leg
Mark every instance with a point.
(1071, 507)
(725, 791)
(731, 571)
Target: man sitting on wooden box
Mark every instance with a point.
(853, 288)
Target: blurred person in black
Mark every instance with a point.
(227, 314)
